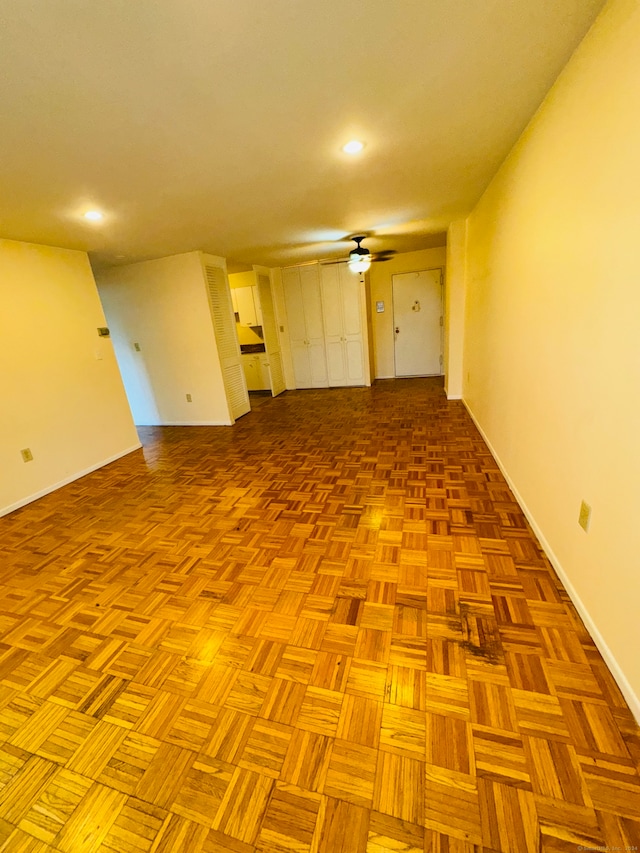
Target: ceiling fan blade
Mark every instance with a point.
(383, 256)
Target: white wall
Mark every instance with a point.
(162, 306)
(380, 279)
(60, 389)
(552, 338)
(455, 287)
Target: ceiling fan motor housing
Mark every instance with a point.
(358, 253)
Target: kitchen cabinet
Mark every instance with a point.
(256, 371)
(247, 305)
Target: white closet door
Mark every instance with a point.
(353, 325)
(228, 348)
(297, 328)
(331, 290)
(271, 339)
(306, 332)
(343, 325)
(312, 304)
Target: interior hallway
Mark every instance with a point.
(327, 628)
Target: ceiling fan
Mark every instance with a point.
(360, 259)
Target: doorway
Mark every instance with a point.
(417, 323)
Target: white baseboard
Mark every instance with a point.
(187, 423)
(24, 501)
(457, 397)
(626, 689)
(197, 423)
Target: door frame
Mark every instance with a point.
(393, 326)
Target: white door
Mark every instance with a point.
(306, 332)
(417, 323)
(224, 326)
(296, 327)
(271, 339)
(333, 328)
(353, 325)
(310, 284)
(342, 325)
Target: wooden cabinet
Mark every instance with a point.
(256, 371)
(246, 304)
(306, 330)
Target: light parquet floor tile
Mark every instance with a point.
(327, 628)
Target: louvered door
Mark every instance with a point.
(228, 348)
(271, 340)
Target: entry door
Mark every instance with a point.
(271, 340)
(417, 323)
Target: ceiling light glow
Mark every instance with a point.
(353, 147)
(360, 263)
(94, 215)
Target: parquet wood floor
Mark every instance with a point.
(325, 629)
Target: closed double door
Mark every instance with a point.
(306, 329)
(326, 325)
(342, 313)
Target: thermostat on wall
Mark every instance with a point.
(103, 332)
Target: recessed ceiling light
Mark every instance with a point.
(94, 215)
(353, 147)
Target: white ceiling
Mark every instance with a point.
(217, 124)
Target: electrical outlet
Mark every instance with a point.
(188, 398)
(27, 455)
(585, 516)
(136, 347)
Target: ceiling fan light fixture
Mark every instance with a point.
(359, 258)
(360, 264)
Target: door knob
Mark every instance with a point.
(397, 331)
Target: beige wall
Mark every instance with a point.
(162, 306)
(380, 279)
(60, 389)
(552, 341)
(242, 279)
(455, 287)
